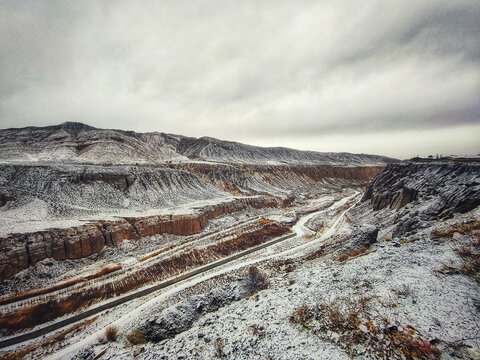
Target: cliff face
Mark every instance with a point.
(59, 192)
(73, 187)
(18, 251)
(277, 180)
(442, 188)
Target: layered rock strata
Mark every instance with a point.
(442, 188)
(275, 179)
(19, 251)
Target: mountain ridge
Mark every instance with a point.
(79, 142)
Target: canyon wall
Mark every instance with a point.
(46, 193)
(442, 188)
(277, 180)
(19, 251)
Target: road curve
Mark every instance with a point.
(145, 291)
(123, 299)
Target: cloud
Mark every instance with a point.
(242, 70)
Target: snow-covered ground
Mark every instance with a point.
(344, 255)
(401, 279)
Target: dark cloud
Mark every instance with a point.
(255, 71)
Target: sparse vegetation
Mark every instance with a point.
(258, 331)
(316, 254)
(469, 254)
(111, 333)
(470, 262)
(302, 316)
(464, 228)
(284, 266)
(47, 346)
(256, 280)
(26, 295)
(345, 256)
(149, 256)
(219, 345)
(31, 316)
(136, 337)
(349, 324)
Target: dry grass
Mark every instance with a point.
(316, 254)
(111, 333)
(136, 337)
(470, 262)
(103, 271)
(282, 266)
(31, 316)
(345, 256)
(469, 254)
(464, 228)
(27, 295)
(349, 324)
(149, 256)
(33, 293)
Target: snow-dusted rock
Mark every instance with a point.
(181, 317)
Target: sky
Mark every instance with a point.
(399, 78)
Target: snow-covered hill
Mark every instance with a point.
(82, 143)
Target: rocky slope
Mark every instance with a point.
(409, 196)
(394, 277)
(63, 188)
(368, 290)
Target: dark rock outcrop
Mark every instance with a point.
(443, 188)
(4, 198)
(181, 317)
(362, 236)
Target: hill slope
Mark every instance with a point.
(82, 143)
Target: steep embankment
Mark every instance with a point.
(452, 187)
(278, 180)
(59, 195)
(408, 196)
(89, 189)
(19, 251)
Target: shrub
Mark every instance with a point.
(256, 280)
(136, 337)
(301, 316)
(345, 256)
(258, 330)
(349, 324)
(219, 345)
(111, 333)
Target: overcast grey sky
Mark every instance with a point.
(396, 78)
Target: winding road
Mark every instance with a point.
(299, 230)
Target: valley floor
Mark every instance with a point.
(331, 294)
